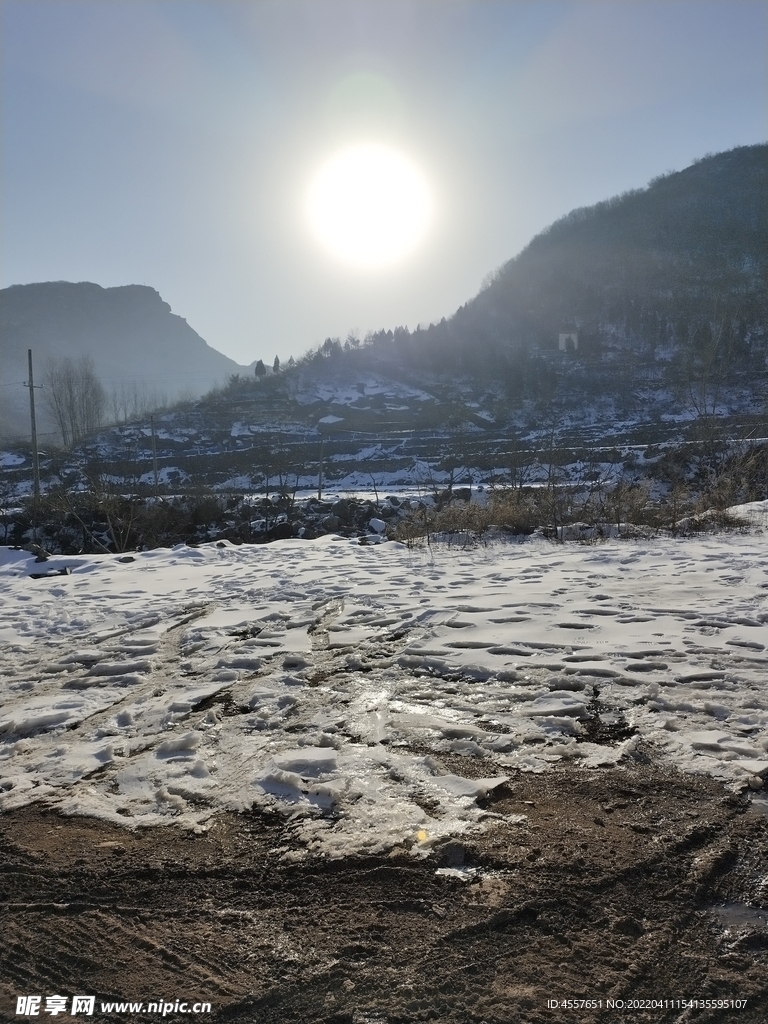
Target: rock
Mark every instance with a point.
(281, 531)
(341, 509)
(332, 523)
(377, 525)
(66, 571)
(453, 854)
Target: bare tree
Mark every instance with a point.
(521, 463)
(709, 362)
(132, 400)
(76, 398)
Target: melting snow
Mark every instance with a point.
(325, 678)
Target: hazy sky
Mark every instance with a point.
(171, 143)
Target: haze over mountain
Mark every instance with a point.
(129, 332)
(648, 272)
(664, 290)
(664, 281)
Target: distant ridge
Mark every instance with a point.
(688, 245)
(660, 296)
(129, 332)
(668, 282)
(640, 271)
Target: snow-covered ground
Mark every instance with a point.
(366, 385)
(328, 678)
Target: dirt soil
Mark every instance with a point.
(607, 890)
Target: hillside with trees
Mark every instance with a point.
(670, 274)
(661, 295)
(662, 288)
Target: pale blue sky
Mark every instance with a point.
(168, 143)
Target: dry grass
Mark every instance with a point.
(505, 510)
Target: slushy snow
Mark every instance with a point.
(325, 679)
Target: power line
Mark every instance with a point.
(135, 380)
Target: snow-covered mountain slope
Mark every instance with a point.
(322, 679)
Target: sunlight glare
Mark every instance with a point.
(369, 206)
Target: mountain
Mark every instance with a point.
(664, 288)
(662, 292)
(650, 272)
(138, 346)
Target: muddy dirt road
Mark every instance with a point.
(632, 884)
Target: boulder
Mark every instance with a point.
(341, 510)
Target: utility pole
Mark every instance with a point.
(154, 450)
(33, 422)
(35, 460)
(320, 474)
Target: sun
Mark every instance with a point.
(369, 206)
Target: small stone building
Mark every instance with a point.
(568, 341)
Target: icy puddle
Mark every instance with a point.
(327, 679)
(740, 916)
(759, 804)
